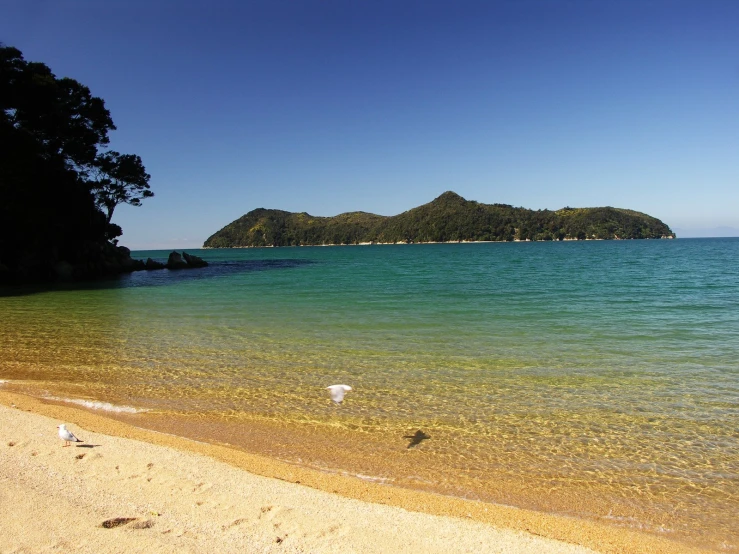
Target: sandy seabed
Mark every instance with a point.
(127, 489)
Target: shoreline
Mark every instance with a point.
(515, 527)
(410, 243)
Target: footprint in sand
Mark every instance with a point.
(333, 530)
(202, 487)
(234, 523)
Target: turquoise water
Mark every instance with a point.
(598, 379)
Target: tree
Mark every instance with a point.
(121, 179)
(51, 132)
(61, 115)
(66, 121)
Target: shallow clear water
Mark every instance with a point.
(599, 379)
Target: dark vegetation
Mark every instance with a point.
(59, 185)
(449, 218)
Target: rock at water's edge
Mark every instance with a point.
(151, 264)
(194, 261)
(175, 261)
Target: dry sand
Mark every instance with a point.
(186, 496)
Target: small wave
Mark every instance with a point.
(635, 523)
(371, 478)
(335, 471)
(97, 405)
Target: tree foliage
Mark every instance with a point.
(119, 179)
(52, 131)
(61, 115)
(449, 218)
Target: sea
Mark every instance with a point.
(592, 379)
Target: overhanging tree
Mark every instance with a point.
(52, 131)
(61, 115)
(120, 179)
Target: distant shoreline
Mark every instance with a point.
(430, 242)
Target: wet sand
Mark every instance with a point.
(183, 495)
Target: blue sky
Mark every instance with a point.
(334, 106)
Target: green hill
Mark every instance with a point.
(449, 218)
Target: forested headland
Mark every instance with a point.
(449, 218)
(59, 181)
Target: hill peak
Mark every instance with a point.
(448, 197)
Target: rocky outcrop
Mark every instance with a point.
(122, 262)
(151, 264)
(90, 261)
(194, 261)
(179, 261)
(175, 261)
(95, 262)
(184, 261)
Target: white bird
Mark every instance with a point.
(66, 435)
(337, 392)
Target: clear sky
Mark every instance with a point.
(329, 106)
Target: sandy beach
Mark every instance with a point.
(180, 495)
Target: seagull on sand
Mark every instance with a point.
(67, 436)
(337, 392)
